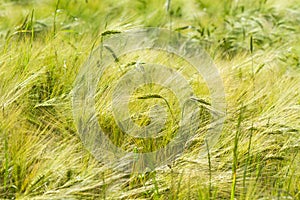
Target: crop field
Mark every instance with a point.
(236, 137)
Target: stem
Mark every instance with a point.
(210, 174)
(247, 161)
(54, 19)
(235, 155)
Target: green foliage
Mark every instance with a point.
(255, 45)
